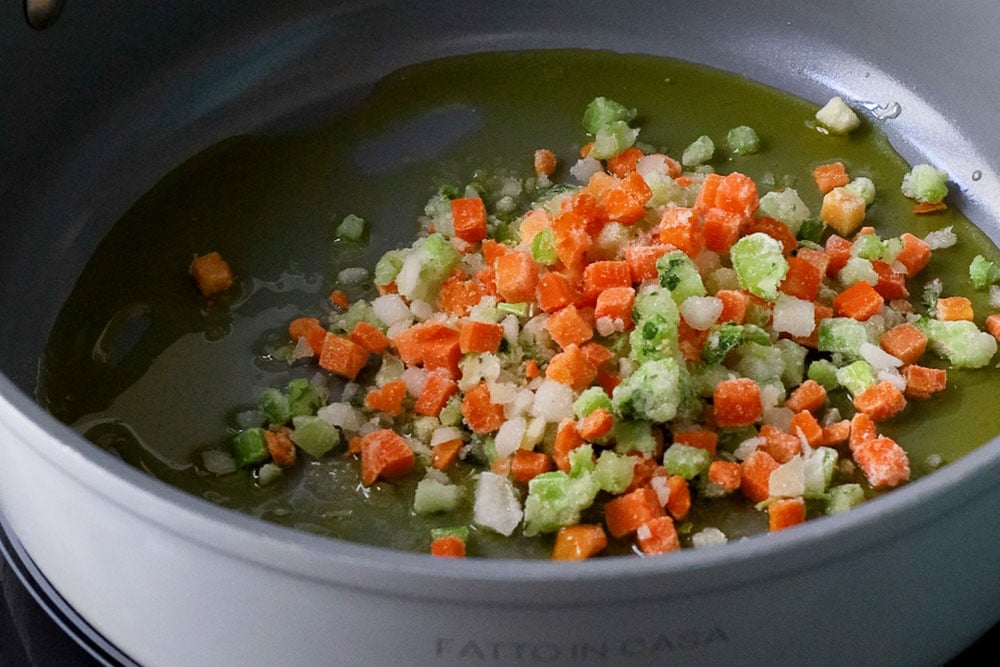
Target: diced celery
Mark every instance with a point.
(602, 112)
(856, 376)
(753, 333)
(387, 267)
(868, 246)
(786, 206)
(351, 228)
(837, 117)
(929, 295)
(824, 372)
(760, 264)
(743, 140)
(843, 497)
(589, 400)
(686, 461)
(612, 139)
(652, 338)
(427, 266)
(721, 339)
(250, 447)
(613, 472)
(983, 272)
(652, 392)
(451, 413)
(842, 334)
(863, 187)
(793, 356)
(960, 342)
(360, 311)
(432, 496)
(543, 247)
(857, 269)
(518, 309)
(581, 461)
(274, 404)
(555, 499)
(656, 303)
(461, 532)
(304, 397)
(820, 464)
(698, 152)
(924, 183)
(424, 427)
(760, 363)
(314, 436)
(704, 377)
(811, 231)
(633, 436)
(680, 275)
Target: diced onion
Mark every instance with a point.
(390, 308)
(508, 439)
(789, 479)
(879, 358)
(584, 168)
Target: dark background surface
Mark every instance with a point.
(31, 637)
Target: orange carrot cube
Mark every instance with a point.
(737, 402)
(211, 274)
(469, 218)
(342, 356)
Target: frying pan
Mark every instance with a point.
(107, 98)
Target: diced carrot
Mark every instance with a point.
(586, 148)
(627, 512)
(388, 398)
(804, 424)
(810, 395)
(734, 305)
(310, 329)
(501, 466)
(838, 252)
(737, 402)
(721, 229)
(737, 193)
(679, 499)
(776, 229)
(842, 210)
(883, 462)
(608, 380)
(280, 447)
(476, 336)
(817, 258)
(681, 228)
(469, 218)
(624, 163)
(862, 429)
(891, 284)
(458, 296)
(597, 354)
(585, 204)
(568, 327)
(567, 439)
(914, 255)
(993, 325)
(707, 440)
(626, 202)
(725, 474)
(384, 455)
(533, 222)
(954, 308)
(516, 276)
(641, 260)
(486, 280)
(859, 301)
(615, 303)
(785, 513)
(830, 176)
(921, 381)
(657, 536)
(354, 445)
(600, 184)
(448, 546)
(802, 280)
(880, 401)
(545, 162)
(369, 337)
(691, 341)
(211, 274)
(444, 454)
(554, 291)
(603, 275)
(531, 370)
(928, 207)
(493, 250)
(572, 239)
(836, 433)
(339, 299)
(643, 470)
(755, 475)
(780, 445)
(438, 388)
(905, 342)
(525, 465)
(708, 193)
(572, 368)
(342, 356)
(579, 542)
(441, 351)
(596, 425)
(481, 414)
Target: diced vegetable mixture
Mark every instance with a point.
(647, 336)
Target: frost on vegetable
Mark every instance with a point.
(760, 264)
(924, 183)
(837, 117)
